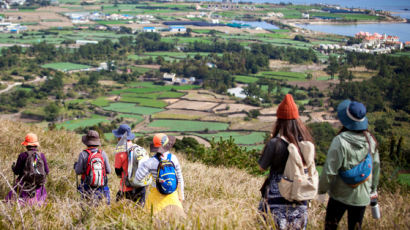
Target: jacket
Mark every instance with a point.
(346, 151)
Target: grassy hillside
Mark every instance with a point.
(216, 198)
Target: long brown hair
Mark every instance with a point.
(293, 130)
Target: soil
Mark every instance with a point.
(193, 105)
(270, 111)
(233, 108)
(184, 112)
(170, 100)
(255, 125)
(199, 139)
(284, 65)
(321, 85)
(41, 18)
(238, 115)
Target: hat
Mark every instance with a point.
(352, 114)
(161, 143)
(30, 140)
(92, 138)
(124, 128)
(287, 109)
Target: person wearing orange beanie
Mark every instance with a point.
(286, 214)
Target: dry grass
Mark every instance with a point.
(216, 198)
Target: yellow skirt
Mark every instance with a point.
(157, 201)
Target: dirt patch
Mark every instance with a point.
(284, 65)
(204, 95)
(199, 139)
(321, 85)
(193, 105)
(180, 114)
(149, 66)
(270, 119)
(271, 111)
(255, 125)
(323, 117)
(221, 119)
(170, 100)
(45, 19)
(238, 115)
(233, 108)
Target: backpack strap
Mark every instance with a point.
(169, 156)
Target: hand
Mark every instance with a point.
(374, 195)
(75, 164)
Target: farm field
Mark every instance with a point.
(241, 138)
(101, 101)
(84, 122)
(281, 75)
(144, 101)
(131, 108)
(245, 79)
(183, 125)
(65, 66)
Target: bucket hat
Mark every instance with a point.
(31, 139)
(162, 143)
(287, 109)
(352, 115)
(92, 138)
(124, 128)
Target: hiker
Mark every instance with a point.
(353, 146)
(129, 189)
(288, 129)
(93, 166)
(31, 170)
(157, 200)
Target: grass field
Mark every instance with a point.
(165, 94)
(100, 101)
(144, 101)
(240, 138)
(404, 178)
(168, 56)
(134, 117)
(149, 87)
(65, 66)
(281, 75)
(84, 122)
(131, 108)
(245, 79)
(182, 125)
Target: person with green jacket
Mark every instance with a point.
(347, 150)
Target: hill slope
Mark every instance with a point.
(216, 198)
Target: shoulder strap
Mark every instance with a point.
(158, 156)
(169, 156)
(297, 147)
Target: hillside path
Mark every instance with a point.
(9, 87)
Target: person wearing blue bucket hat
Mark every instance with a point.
(126, 161)
(351, 172)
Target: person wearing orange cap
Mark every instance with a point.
(288, 126)
(161, 144)
(31, 169)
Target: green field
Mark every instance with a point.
(240, 138)
(404, 178)
(131, 108)
(165, 94)
(65, 66)
(100, 101)
(183, 125)
(245, 79)
(133, 117)
(149, 87)
(84, 122)
(282, 75)
(144, 101)
(168, 56)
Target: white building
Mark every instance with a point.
(177, 29)
(169, 77)
(149, 29)
(84, 42)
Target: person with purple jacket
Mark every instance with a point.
(34, 194)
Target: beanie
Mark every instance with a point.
(287, 109)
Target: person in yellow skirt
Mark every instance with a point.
(156, 201)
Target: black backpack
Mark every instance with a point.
(34, 174)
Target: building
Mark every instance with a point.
(177, 29)
(305, 15)
(169, 77)
(85, 42)
(149, 29)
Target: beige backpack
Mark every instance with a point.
(296, 185)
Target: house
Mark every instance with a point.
(305, 16)
(84, 42)
(149, 29)
(177, 29)
(169, 77)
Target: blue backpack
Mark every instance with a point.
(167, 181)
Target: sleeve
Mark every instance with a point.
(266, 159)
(21, 160)
(376, 171)
(332, 165)
(45, 163)
(81, 166)
(142, 170)
(179, 176)
(107, 163)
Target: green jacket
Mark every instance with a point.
(345, 152)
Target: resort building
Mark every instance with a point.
(177, 29)
(149, 29)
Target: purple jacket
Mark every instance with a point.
(21, 162)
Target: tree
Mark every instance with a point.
(252, 90)
(333, 66)
(51, 111)
(309, 76)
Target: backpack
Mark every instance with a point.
(167, 181)
(299, 182)
(95, 175)
(136, 155)
(34, 174)
(359, 173)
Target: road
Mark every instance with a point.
(9, 87)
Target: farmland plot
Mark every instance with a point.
(183, 125)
